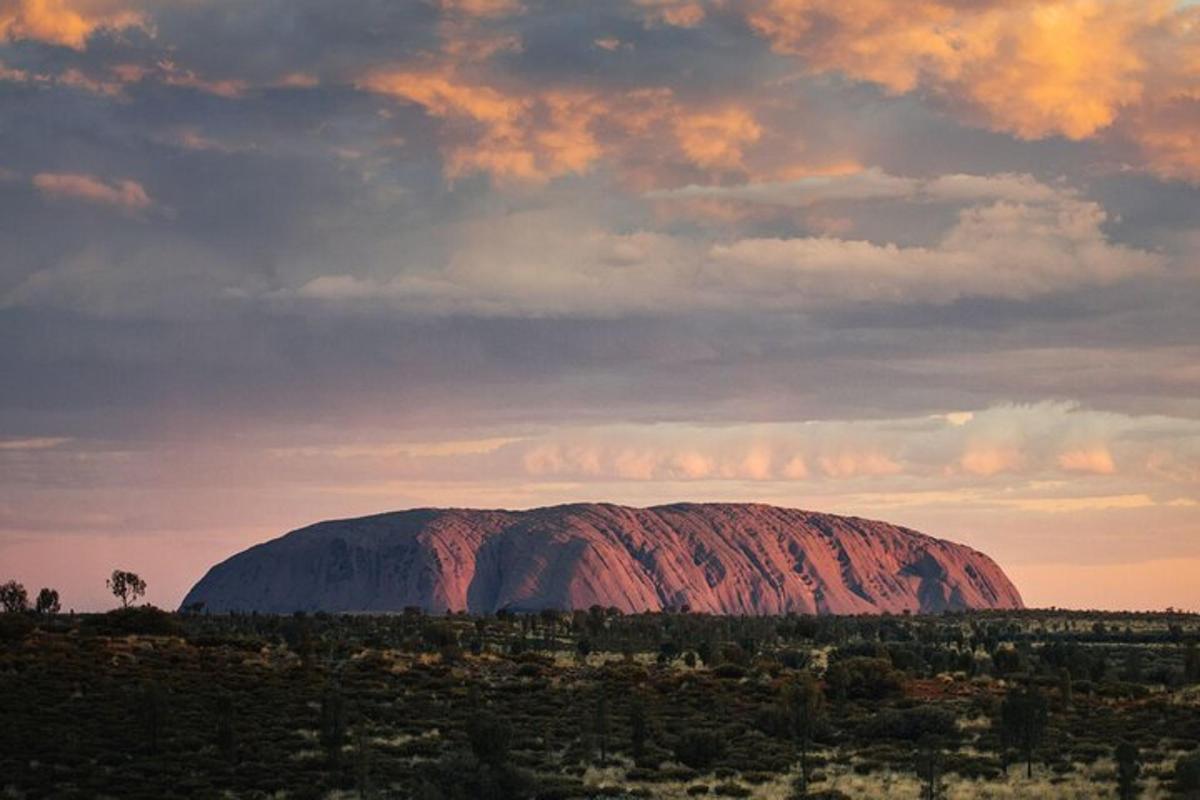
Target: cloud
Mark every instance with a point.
(680, 13)
(1095, 459)
(1002, 249)
(1019, 447)
(716, 140)
(38, 443)
(1165, 133)
(549, 264)
(988, 458)
(1043, 240)
(851, 464)
(63, 22)
(1034, 68)
(126, 195)
(533, 136)
(1122, 70)
(482, 8)
(1066, 505)
(173, 75)
(503, 135)
(865, 184)
(856, 185)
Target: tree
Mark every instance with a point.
(1132, 671)
(1023, 718)
(804, 706)
(600, 725)
(1128, 767)
(47, 602)
(929, 768)
(489, 738)
(637, 729)
(126, 587)
(333, 722)
(1191, 664)
(1066, 687)
(226, 737)
(13, 597)
(362, 762)
(698, 749)
(489, 775)
(1187, 775)
(153, 710)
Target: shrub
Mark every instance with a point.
(699, 749)
(14, 627)
(864, 678)
(139, 620)
(1187, 775)
(912, 724)
(489, 738)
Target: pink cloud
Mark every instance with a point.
(127, 195)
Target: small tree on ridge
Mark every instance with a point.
(126, 587)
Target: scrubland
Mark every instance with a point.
(143, 704)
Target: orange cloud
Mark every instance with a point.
(298, 80)
(680, 13)
(482, 8)
(982, 458)
(63, 22)
(849, 464)
(715, 140)
(125, 194)
(502, 138)
(538, 135)
(1166, 128)
(79, 80)
(173, 75)
(1096, 460)
(1033, 68)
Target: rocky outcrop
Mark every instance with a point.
(713, 557)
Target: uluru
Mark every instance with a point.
(722, 558)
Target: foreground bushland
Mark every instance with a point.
(141, 703)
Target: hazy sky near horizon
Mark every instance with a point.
(931, 261)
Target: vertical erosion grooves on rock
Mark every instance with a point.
(724, 558)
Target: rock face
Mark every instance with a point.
(713, 557)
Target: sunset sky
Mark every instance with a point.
(932, 261)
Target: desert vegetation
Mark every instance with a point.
(143, 703)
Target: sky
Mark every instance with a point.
(934, 262)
